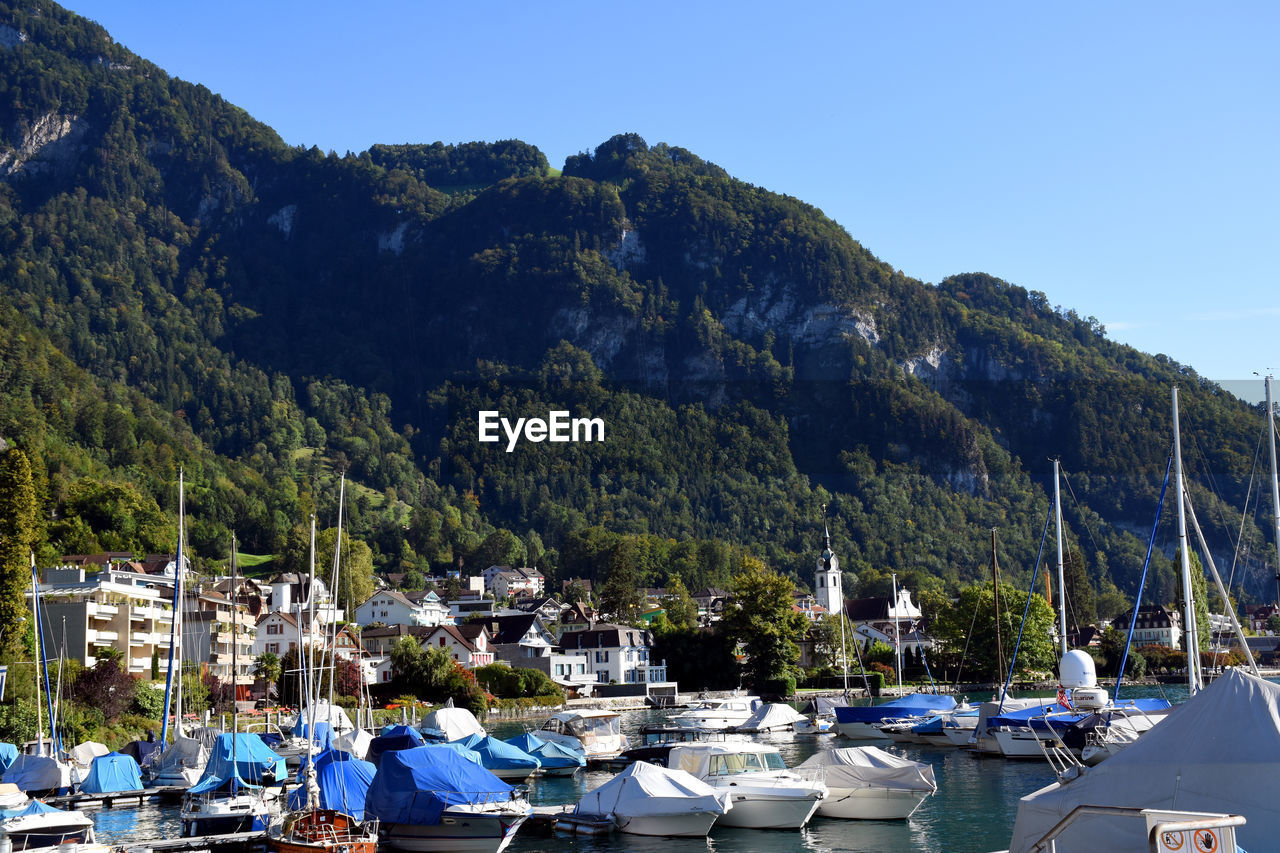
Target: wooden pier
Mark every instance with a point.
(110, 800)
(234, 842)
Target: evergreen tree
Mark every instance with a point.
(19, 534)
(682, 610)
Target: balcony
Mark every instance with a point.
(655, 673)
(140, 665)
(102, 638)
(102, 611)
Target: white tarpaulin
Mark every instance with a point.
(645, 789)
(1217, 753)
(456, 723)
(774, 715)
(871, 767)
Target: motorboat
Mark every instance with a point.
(37, 825)
(764, 793)
(717, 714)
(657, 741)
(556, 758)
(819, 716)
(450, 723)
(39, 774)
(392, 739)
(867, 783)
(594, 731)
(114, 773)
(434, 799)
(508, 762)
(648, 800)
(770, 717)
(860, 722)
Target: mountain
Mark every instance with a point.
(181, 287)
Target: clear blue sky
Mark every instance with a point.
(1120, 157)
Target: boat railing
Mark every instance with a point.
(1166, 830)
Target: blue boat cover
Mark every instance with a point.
(1033, 717)
(469, 741)
(112, 772)
(324, 733)
(911, 705)
(465, 751)
(8, 752)
(393, 738)
(343, 779)
(500, 755)
(33, 807)
(255, 764)
(549, 752)
(415, 786)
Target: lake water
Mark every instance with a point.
(972, 812)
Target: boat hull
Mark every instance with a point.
(764, 811)
(686, 825)
(1022, 743)
(456, 833)
(870, 803)
(324, 831)
(860, 731)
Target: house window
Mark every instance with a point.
(274, 648)
(602, 677)
(386, 676)
(442, 642)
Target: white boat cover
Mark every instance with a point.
(774, 715)
(1217, 753)
(871, 767)
(87, 751)
(355, 742)
(184, 752)
(646, 790)
(38, 773)
(456, 723)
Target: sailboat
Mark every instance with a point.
(328, 816)
(42, 771)
(178, 764)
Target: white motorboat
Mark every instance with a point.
(37, 826)
(764, 793)
(39, 774)
(592, 731)
(771, 717)
(718, 714)
(867, 783)
(648, 800)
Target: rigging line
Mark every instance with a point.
(1203, 460)
(1026, 608)
(964, 654)
(1244, 516)
(1137, 602)
(1081, 512)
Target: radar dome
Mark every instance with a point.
(1077, 670)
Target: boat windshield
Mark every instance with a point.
(773, 761)
(733, 763)
(591, 728)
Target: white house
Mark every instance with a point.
(391, 607)
(277, 633)
(467, 644)
(468, 605)
(505, 581)
(615, 653)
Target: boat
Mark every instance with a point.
(232, 795)
(867, 783)
(504, 760)
(393, 739)
(434, 799)
(771, 717)
(11, 797)
(764, 793)
(657, 741)
(39, 826)
(647, 800)
(594, 731)
(1213, 754)
(935, 728)
(859, 721)
(113, 773)
(448, 723)
(556, 758)
(819, 716)
(717, 714)
(327, 810)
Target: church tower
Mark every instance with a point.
(826, 584)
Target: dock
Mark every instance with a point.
(113, 798)
(234, 842)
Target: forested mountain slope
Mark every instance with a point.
(181, 287)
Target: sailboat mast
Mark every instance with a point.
(1062, 587)
(897, 633)
(1190, 645)
(235, 657)
(334, 579)
(1275, 476)
(995, 589)
(35, 612)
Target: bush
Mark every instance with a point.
(148, 702)
(780, 687)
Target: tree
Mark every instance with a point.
(105, 687)
(1082, 606)
(977, 607)
(576, 592)
(355, 580)
(499, 548)
(621, 598)
(19, 533)
(682, 610)
(267, 666)
(761, 619)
